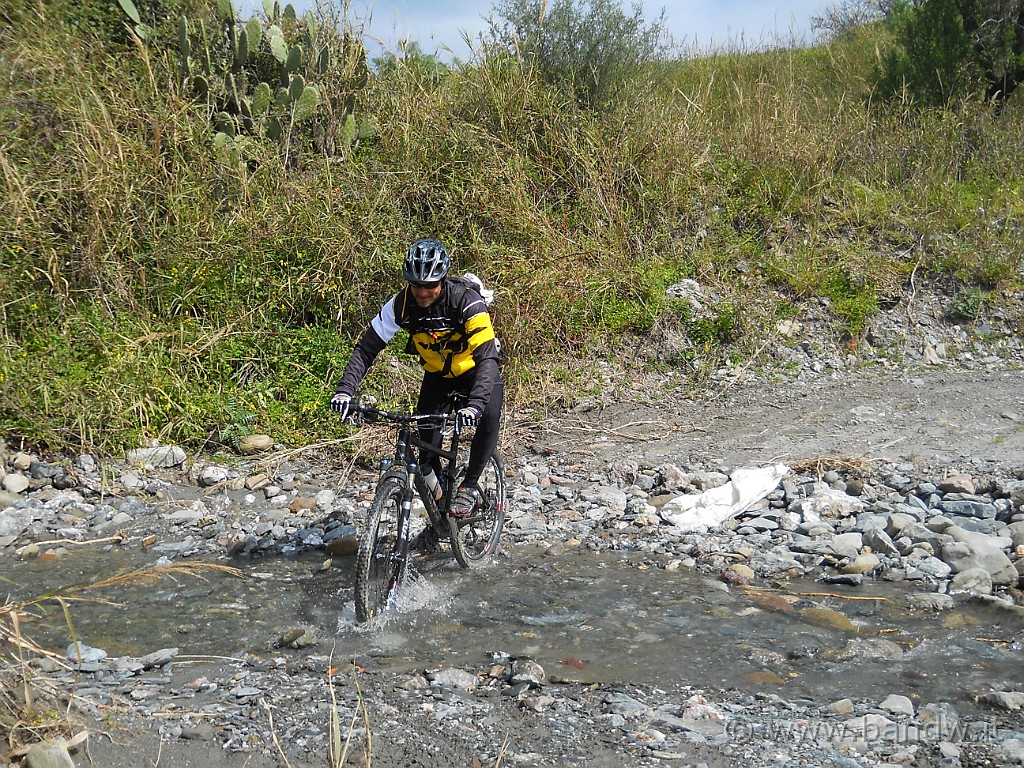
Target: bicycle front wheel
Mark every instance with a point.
(380, 565)
(475, 538)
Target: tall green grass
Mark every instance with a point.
(152, 288)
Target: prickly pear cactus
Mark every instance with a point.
(281, 77)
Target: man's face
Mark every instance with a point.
(425, 293)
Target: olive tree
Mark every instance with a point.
(587, 47)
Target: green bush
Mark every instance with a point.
(589, 48)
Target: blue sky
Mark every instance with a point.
(705, 24)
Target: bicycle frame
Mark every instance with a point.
(383, 555)
(405, 466)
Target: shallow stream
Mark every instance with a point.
(609, 618)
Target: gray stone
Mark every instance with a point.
(897, 704)
(969, 508)
(847, 544)
(880, 542)
(625, 705)
(15, 483)
(14, 522)
(606, 496)
(213, 475)
(48, 756)
(528, 671)
(973, 580)
(158, 658)
(922, 534)
(456, 679)
(161, 457)
(973, 550)
(1009, 700)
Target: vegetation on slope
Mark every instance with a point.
(168, 272)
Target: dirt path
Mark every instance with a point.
(931, 417)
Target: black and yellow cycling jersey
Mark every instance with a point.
(447, 334)
(453, 338)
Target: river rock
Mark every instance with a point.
(14, 522)
(160, 457)
(21, 461)
(980, 553)
(930, 601)
(862, 564)
(828, 503)
(251, 444)
(959, 483)
(826, 617)
(82, 653)
(1009, 700)
(528, 671)
(48, 755)
(213, 475)
(897, 704)
(973, 580)
(456, 679)
(15, 483)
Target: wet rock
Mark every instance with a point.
(299, 637)
(870, 649)
(930, 601)
(827, 618)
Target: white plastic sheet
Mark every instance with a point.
(746, 487)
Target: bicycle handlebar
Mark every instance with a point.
(371, 415)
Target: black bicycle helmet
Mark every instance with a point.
(426, 262)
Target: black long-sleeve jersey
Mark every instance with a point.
(453, 338)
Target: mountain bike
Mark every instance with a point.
(385, 542)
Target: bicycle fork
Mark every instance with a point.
(404, 518)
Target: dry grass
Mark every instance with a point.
(821, 464)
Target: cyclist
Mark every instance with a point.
(450, 329)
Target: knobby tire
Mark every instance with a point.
(476, 538)
(380, 568)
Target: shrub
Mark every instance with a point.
(587, 47)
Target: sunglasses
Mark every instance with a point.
(425, 286)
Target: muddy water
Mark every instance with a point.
(603, 618)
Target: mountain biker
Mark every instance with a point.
(450, 329)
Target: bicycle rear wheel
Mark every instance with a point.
(380, 566)
(474, 539)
